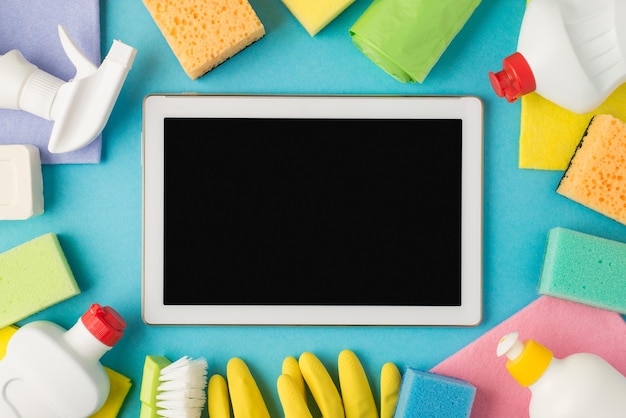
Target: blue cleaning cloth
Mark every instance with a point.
(430, 395)
(31, 27)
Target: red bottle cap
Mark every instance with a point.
(104, 323)
(515, 79)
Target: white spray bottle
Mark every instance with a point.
(80, 107)
(581, 385)
(56, 373)
(571, 52)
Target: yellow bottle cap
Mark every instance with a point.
(527, 361)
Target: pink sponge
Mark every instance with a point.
(566, 327)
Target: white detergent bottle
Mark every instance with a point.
(581, 385)
(571, 52)
(52, 372)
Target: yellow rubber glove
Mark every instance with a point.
(241, 388)
(358, 400)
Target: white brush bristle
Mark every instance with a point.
(182, 393)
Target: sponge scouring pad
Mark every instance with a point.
(33, 276)
(431, 395)
(314, 15)
(203, 34)
(120, 386)
(596, 175)
(584, 268)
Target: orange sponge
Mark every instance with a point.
(204, 33)
(596, 176)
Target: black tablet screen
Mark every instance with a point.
(312, 212)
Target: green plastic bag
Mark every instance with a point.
(406, 37)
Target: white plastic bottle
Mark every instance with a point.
(571, 52)
(52, 372)
(581, 385)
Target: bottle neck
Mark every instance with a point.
(84, 343)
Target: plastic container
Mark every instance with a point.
(52, 372)
(581, 385)
(571, 52)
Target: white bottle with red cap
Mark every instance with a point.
(581, 385)
(571, 52)
(52, 372)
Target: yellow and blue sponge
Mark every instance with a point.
(33, 276)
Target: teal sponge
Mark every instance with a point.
(431, 395)
(34, 276)
(584, 268)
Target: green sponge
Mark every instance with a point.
(584, 268)
(34, 276)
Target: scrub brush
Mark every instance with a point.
(175, 389)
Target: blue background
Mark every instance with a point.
(96, 209)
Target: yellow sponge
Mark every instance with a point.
(120, 384)
(204, 33)
(34, 276)
(315, 14)
(549, 133)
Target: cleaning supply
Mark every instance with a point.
(204, 34)
(406, 38)
(218, 398)
(549, 134)
(21, 182)
(596, 175)
(80, 107)
(32, 28)
(584, 268)
(52, 372)
(173, 389)
(316, 15)
(34, 275)
(430, 395)
(559, 324)
(245, 397)
(120, 384)
(571, 52)
(240, 392)
(580, 385)
(356, 399)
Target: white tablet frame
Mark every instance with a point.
(156, 107)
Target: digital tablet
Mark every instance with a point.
(312, 210)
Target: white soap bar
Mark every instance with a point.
(21, 182)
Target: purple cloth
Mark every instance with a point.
(30, 26)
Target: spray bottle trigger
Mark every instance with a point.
(84, 67)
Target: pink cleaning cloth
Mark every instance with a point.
(564, 327)
(30, 26)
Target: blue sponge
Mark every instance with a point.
(431, 395)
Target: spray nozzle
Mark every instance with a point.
(80, 107)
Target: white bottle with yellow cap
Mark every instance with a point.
(581, 385)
